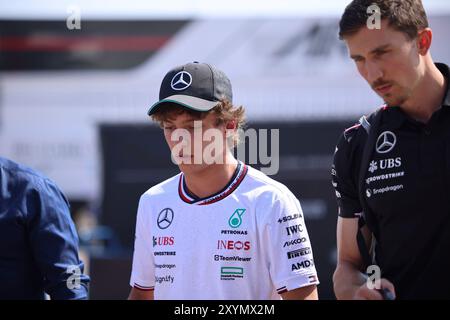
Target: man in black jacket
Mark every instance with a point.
(403, 189)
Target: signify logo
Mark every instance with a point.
(231, 273)
(167, 278)
(236, 218)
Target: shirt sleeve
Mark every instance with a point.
(143, 269)
(344, 173)
(54, 242)
(287, 246)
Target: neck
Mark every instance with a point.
(428, 95)
(216, 175)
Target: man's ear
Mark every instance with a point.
(424, 39)
(231, 125)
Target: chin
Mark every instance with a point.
(393, 100)
(191, 168)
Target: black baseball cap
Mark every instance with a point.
(196, 86)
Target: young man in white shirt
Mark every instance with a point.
(219, 229)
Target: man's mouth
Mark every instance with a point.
(383, 89)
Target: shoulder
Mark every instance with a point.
(165, 189)
(20, 177)
(363, 125)
(353, 138)
(265, 188)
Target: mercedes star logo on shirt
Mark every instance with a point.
(182, 80)
(386, 142)
(165, 218)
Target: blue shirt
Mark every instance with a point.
(38, 240)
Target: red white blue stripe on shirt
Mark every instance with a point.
(235, 181)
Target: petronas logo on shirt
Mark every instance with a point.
(236, 218)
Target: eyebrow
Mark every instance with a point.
(377, 49)
(168, 121)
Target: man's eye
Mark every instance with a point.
(168, 128)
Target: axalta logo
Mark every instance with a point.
(302, 264)
(294, 242)
(294, 229)
(385, 164)
(163, 241)
(233, 245)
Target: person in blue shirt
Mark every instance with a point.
(38, 239)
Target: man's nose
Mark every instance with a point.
(374, 72)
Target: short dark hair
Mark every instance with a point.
(407, 16)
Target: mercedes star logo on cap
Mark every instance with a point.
(182, 80)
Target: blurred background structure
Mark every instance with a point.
(73, 102)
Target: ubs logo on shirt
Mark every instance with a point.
(384, 164)
(163, 241)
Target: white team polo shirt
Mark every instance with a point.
(248, 241)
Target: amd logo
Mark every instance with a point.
(233, 245)
(302, 265)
